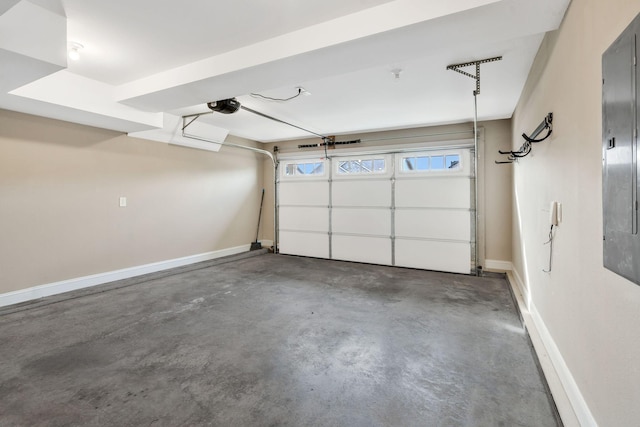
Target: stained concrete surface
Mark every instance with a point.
(274, 340)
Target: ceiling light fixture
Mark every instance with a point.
(74, 50)
(396, 73)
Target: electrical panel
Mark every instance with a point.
(620, 166)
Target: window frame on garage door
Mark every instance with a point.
(307, 227)
(361, 218)
(440, 222)
(393, 163)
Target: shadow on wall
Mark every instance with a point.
(18, 126)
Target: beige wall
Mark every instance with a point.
(498, 194)
(591, 314)
(60, 185)
(496, 214)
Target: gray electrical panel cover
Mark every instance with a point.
(620, 154)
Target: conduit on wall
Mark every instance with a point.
(476, 92)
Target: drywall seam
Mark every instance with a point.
(55, 288)
(541, 342)
(494, 264)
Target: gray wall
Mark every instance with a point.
(589, 316)
(60, 185)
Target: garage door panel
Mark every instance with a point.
(305, 244)
(361, 193)
(434, 193)
(301, 193)
(442, 224)
(434, 255)
(304, 218)
(362, 221)
(351, 213)
(375, 250)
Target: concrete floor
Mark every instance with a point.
(273, 340)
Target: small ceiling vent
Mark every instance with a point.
(225, 106)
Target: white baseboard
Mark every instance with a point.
(493, 264)
(579, 405)
(566, 394)
(49, 289)
(524, 291)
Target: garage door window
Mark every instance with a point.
(361, 166)
(445, 162)
(304, 169)
(452, 161)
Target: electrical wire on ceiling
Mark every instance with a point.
(268, 98)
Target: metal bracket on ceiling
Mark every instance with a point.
(194, 117)
(476, 77)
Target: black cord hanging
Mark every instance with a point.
(269, 98)
(550, 243)
(526, 148)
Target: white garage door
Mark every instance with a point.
(409, 209)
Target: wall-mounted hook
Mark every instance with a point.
(525, 149)
(546, 124)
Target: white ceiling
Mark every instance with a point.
(146, 61)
